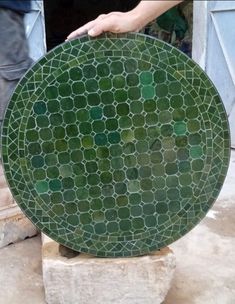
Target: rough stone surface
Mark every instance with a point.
(87, 280)
(21, 273)
(14, 226)
(6, 198)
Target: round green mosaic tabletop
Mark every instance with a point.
(115, 146)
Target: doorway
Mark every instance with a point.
(64, 16)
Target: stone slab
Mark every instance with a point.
(6, 198)
(14, 226)
(84, 279)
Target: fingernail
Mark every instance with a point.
(91, 32)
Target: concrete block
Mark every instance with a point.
(6, 198)
(84, 279)
(14, 226)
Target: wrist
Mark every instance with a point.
(136, 19)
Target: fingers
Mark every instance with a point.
(101, 27)
(85, 28)
(100, 17)
(81, 31)
(103, 23)
(107, 24)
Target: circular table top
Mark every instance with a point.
(115, 146)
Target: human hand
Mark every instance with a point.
(132, 21)
(115, 22)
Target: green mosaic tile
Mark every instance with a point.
(115, 146)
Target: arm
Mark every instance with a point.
(134, 20)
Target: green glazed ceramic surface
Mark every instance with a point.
(115, 146)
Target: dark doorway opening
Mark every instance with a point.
(64, 16)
